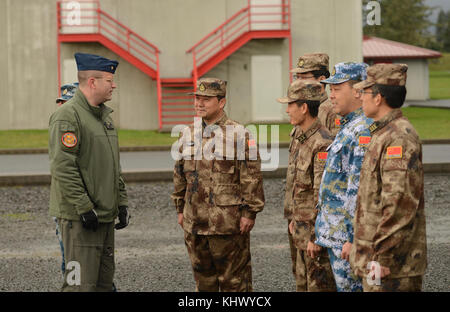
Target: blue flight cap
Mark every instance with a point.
(343, 72)
(67, 91)
(95, 62)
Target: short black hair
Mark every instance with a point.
(313, 106)
(323, 71)
(394, 95)
(219, 97)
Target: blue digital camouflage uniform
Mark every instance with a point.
(340, 180)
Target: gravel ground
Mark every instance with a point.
(150, 253)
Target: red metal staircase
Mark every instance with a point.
(256, 21)
(84, 21)
(176, 106)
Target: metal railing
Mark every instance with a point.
(254, 17)
(84, 17)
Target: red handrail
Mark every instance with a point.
(237, 25)
(106, 25)
(215, 30)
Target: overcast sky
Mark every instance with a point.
(439, 4)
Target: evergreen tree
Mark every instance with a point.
(443, 30)
(403, 21)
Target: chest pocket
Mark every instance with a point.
(188, 154)
(222, 165)
(303, 175)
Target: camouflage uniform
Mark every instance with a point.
(307, 158)
(293, 146)
(339, 187)
(213, 195)
(390, 216)
(316, 61)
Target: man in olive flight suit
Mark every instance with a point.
(87, 190)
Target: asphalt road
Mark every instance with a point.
(162, 160)
(150, 253)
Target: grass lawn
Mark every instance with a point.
(440, 64)
(439, 85)
(430, 123)
(439, 70)
(39, 138)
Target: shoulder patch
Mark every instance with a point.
(322, 156)
(394, 152)
(69, 139)
(363, 140)
(251, 142)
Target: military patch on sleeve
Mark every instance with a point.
(337, 122)
(69, 139)
(251, 142)
(322, 156)
(364, 140)
(394, 152)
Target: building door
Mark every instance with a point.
(266, 75)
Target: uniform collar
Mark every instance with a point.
(294, 131)
(302, 137)
(351, 116)
(377, 125)
(219, 122)
(324, 97)
(97, 111)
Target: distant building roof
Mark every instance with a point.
(378, 48)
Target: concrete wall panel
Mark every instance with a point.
(28, 60)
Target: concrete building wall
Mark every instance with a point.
(27, 63)
(29, 57)
(134, 101)
(417, 83)
(236, 69)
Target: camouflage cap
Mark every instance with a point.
(67, 91)
(343, 72)
(211, 87)
(384, 74)
(307, 90)
(310, 62)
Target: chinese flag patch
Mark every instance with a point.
(337, 122)
(364, 140)
(322, 156)
(251, 142)
(394, 152)
(69, 139)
